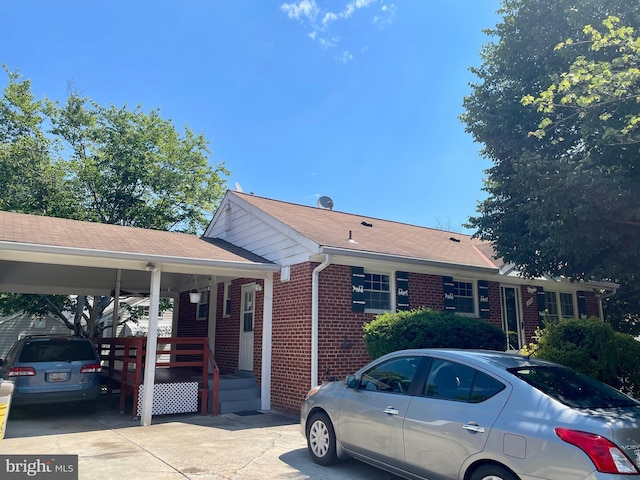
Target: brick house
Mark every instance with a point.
(285, 288)
(338, 270)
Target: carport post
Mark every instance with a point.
(152, 346)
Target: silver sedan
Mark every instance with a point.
(441, 414)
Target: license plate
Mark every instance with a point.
(57, 377)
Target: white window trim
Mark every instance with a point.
(204, 300)
(225, 298)
(474, 292)
(574, 301)
(392, 289)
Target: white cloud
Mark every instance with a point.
(302, 9)
(322, 20)
(387, 12)
(345, 57)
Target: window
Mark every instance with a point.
(572, 388)
(376, 291)
(392, 376)
(463, 297)
(227, 299)
(202, 313)
(453, 381)
(558, 305)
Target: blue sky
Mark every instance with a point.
(354, 99)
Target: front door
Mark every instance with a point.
(512, 317)
(245, 360)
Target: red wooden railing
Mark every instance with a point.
(124, 361)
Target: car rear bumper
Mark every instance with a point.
(42, 398)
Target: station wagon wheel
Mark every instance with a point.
(321, 439)
(492, 472)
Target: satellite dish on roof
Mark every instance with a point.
(325, 202)
(238, 187)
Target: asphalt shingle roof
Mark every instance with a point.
(61, 232)
(331, 228)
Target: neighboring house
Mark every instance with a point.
(337, 272)
(18, 325)
(135, 328)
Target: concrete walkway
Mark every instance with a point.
(111, 446)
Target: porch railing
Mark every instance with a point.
(124, 362)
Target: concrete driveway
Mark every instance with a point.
(227, 447)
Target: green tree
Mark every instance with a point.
(104, 164)
(563, 190)
(31, 182)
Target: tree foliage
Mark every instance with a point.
(116, 165)
(563, 191)
(429, 329)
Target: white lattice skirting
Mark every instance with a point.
(171, 398)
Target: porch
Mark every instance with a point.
(186, 374)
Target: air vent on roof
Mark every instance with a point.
(325, 202)
(366, 224)
(453, 239)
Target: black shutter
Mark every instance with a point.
(542, 306)
(582, 305)
(402, 291)
(357, 289)
(449, 299)
(483, 299)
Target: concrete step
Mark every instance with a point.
(240, 405)
(237, 392)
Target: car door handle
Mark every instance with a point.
(473, 427)
(391, 411)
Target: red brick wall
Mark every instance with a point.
(291, 339)
(593, 307)
(426, 291)
(227, 342)
(188, 326)
(341, 348)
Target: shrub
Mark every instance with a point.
(592, 347)
(429, 329)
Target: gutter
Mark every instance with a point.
(406, 260)
(74, 252)
(314, 318)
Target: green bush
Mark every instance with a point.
(429, 329)
(592, 347)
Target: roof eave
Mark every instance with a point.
(39, 253)
(373, 256)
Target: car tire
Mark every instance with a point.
(492, 472)
(321, 440)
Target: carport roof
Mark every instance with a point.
(37, 230)
(41, 254)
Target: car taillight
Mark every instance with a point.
(604, 454)
(93, 368)
(22, 372)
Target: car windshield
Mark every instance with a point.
(572, 388)
(56, 350)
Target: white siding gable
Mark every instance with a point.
(243, 225)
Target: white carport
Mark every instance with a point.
(49, 255)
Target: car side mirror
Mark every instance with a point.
(352, 381)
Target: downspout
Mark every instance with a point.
(314, 319)
(603, 296)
